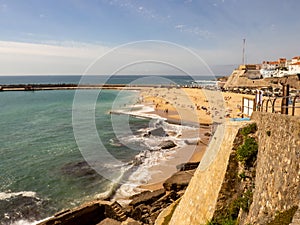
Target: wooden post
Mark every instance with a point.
(285, 100)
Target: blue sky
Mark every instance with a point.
(66, 36)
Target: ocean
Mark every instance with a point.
(42, 169)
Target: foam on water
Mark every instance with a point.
(152, 154)
(26, 222)
(6, 195)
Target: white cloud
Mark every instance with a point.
(153, 57)
(180, 27)
(28, 58)
(197, 31)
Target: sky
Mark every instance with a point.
(70, 37)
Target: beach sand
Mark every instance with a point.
(190, 105)
(196, 106)
(193, 105)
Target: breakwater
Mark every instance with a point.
(42, 87)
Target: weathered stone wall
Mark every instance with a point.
(199, 201)
(277, 183)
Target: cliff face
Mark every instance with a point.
(240, 78)
(277, 183)
(275, 188)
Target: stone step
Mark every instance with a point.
(117, 208)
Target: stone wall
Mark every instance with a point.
(199, 201)
(277, 180)
(277, 183)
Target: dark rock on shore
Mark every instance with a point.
(167, 144)
(88, 214)
(143, 209)
(160, 132)
(79, 169)
(147, 197)
(147, 211)
(187, 166)
(179, 180)
(19, 207)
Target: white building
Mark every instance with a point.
(294, 66)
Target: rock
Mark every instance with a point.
(167, 144)
(130, 221)
(109, 221)
(147, 197)
(79, 169)
(187, 166)
(192, 141)
(18, 207)
(179, 180)
(158, 132)
(207, 134)
(90, 213)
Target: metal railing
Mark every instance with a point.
(280, 105)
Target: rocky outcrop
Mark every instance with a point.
(147, 197)
(88, 214)
(167, 144)
(158, 132)
(187, 166)
(18, 206)
(239, 79)
(250, 79)
(146, 210)
(178, 181)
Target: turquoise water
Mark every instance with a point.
(116, 79)
(39, 152)
(42, 169)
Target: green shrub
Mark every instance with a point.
(268, 133)
(246, 200)
(247, 151)
(225, 221)
(242, 175)
(249, 129)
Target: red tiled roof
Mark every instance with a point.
(294, 64)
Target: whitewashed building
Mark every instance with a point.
(294, 66)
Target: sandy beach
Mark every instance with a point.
(194, 105)
(189, 106)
